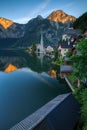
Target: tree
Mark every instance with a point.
(81, 22)
(80, 71)
(59, 60)
(80, 61)
(69, 53)
(34, 47)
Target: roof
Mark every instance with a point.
(66, 68)
(72, 32)
(61, 113)
(67, 59)
(66, 44)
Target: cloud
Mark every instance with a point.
(41, 7)
(69, 4)
(48, 12)
(34, 13)
(22, 20)
(70, 8)
(63, 7)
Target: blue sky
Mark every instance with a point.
(22, 11)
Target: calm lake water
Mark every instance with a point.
(24, 91)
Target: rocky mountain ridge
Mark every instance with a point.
(5, 22)
(26, 34)
(10, 29)
(60, 16)
(52, 32)
(81, 22)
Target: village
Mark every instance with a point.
(70, 55)
(61, 55)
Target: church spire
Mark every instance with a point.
(41, 42)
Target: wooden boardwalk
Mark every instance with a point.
(68, 82)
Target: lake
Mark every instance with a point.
(25, 90)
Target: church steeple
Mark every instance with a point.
(41, 42)
(40, 46)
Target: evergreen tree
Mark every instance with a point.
(80, 61)
(34, 47)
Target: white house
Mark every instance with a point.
(49, 49)
(64, 47)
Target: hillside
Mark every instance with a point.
(52, 32)
(81, 22)
(9, 29)
(22, 35)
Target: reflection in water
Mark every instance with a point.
(24, 91)
(20, 59)
(40, 56)
(53, 73)
(10, 68)
(15, 60)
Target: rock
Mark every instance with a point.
(60, 16)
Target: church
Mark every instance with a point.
(40, 47)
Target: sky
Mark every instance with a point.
(21, 11)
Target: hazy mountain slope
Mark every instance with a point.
(52, 32)
(81, 22)
(53, 27)
(9, 29)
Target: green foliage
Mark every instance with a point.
(81, 95)
(80, 61)
(85, 127)
(84, 95)
(68, 53)
(80, 72)
(34, 47)
(84, 111)
(84, 104)
(72, 78)
(81, 22)
(82, 47)
(55, 53)
(59, 60)
(77, 93)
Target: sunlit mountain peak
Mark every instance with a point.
(6, 23)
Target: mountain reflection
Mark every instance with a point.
(12, 60)
(5, 61)
(10, 68)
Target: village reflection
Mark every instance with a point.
(40, 56)
(12, 61)
(53, 73)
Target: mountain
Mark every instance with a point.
(81, 22)
(52, 32)
(9, 29)
(22, 35)
(5, 23)
(60, 16)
